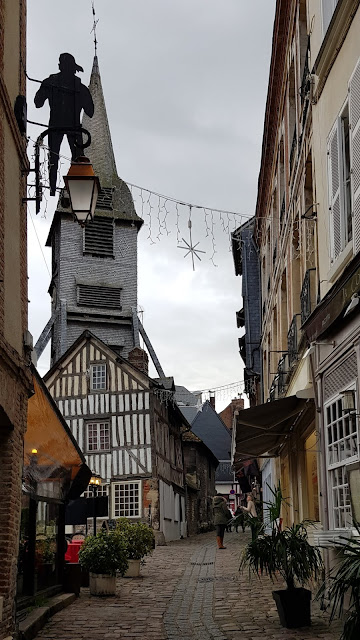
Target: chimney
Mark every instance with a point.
(139, 358)
(237, 404)
(212, 401)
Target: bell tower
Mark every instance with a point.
(94, 269)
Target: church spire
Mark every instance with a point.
(101, 151)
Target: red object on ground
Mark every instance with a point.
(72, 553)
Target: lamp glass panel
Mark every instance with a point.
(94, 198)
(81, 192)
(348, 401)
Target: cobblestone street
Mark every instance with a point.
(188, 591)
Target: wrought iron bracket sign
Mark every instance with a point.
(37, 146)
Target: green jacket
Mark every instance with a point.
(222, 515)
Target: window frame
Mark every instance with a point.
(123, 514)
(340, 464)
(328, 14)
(102, 491)
(98, 423)
(93, 366)
(345, 222)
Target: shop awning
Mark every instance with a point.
(261, 430)
(54, 465)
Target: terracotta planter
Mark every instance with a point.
(133, 570)
(101, 584)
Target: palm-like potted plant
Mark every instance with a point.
(344, 582)
(103, 555)
(286, 553)
(139, 541)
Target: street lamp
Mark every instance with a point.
(83, 187)
(94, 484)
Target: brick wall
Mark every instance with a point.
(15, 380)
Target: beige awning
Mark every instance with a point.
(261, 430)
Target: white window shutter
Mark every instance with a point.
(336, 218)
(354, 112)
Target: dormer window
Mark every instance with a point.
(98, 377)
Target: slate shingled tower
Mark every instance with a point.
(94, 270)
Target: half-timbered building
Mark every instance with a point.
(129, 430)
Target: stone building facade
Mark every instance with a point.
(200, 467)
(15, 380)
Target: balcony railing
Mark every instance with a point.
(293, 339)
(307, 294)
(274, 254)
(283, 369)
(293, 149)
(282, 210)
(305, 82)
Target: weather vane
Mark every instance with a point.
(94, 25)
(190, 247)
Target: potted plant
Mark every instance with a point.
(288, 553)
(103, 555)
(344, 582)
(139, 541)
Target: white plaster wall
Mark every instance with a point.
(170, 524)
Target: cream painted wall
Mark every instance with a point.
(314, 21)
(325, 112)
(12, 310)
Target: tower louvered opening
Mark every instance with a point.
(104, 200)
(99, 237)
(95, 296)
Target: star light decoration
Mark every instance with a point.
(190, 247)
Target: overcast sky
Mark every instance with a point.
(185, 85)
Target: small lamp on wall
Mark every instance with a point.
(348, 401)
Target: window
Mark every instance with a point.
(99, 236)
(98, 436)
(126, 500)
(344, 172)
(328, 8)
(342, 448)
(102, 490)
(98, 377)
(339, 183)
(89, 295)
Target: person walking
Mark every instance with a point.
(222, 515)
(251, 510)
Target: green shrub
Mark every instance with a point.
(104, 553)
(138, 538)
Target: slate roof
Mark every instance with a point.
(101, 154)
(188, 412)
(208, 426)
(185, 397)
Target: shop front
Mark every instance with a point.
(54, 472)
(333, 332)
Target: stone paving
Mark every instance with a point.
(188, 591)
